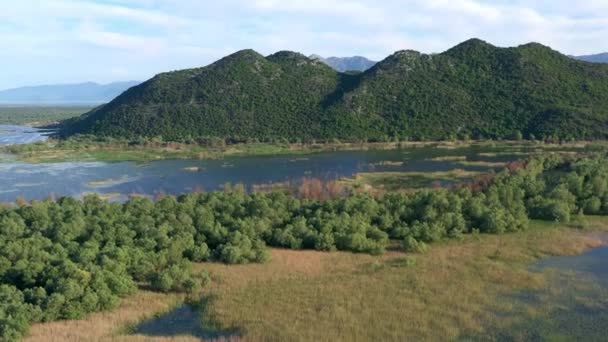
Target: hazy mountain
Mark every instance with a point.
(344, 64)
(81, 93)
(474, 89)
(599, 58)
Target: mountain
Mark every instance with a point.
(599, 58)
(344, 64)
(81, 93)
(472, 90)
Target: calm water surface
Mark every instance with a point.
(119, 180)
(183, 321)
(11, 135)
(573, 307)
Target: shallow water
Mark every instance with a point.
(572, 307)
(119, 180)
(592, 264)
(183, 321)
(38, 181)
(12, 135)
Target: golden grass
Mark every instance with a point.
(377, 182)
(105, 197)
(453, 290)
(110, 182)
(108, 326)
(482, 163)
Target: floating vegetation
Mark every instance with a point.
(8, 191)
(270, 187)
(483, 163)
(111, 182)
(388, 163)
(194, 169)
(506, 153)
(105, 197)
(395, 181)
(29, 185)
(293, 160)
(448, 158)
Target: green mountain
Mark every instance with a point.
(597, 58)
(473, 89)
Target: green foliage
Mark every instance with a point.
(64, 259)
(414, 246)
(472, 90)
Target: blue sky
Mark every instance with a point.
(61, 41)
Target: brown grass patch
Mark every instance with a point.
(107, 326)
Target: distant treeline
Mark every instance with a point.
(63, 259)
(10, 115)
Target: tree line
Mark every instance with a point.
(66, 258)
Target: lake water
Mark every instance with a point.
(119, 180)
(183, 321)
(572, 307)
(38, 181)
(11, 135)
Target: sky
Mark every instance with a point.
(66, 41)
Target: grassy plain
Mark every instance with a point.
(456, 289)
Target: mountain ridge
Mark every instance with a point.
(595, 58)
(346, 64)
(69, 93)
(471, 90)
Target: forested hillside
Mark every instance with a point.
(474, 90)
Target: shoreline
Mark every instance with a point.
(53, 151)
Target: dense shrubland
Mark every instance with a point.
(63, 259)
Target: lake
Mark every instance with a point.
(11, 135)
(116, 181)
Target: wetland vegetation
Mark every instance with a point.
(84, 256)
(457, 289)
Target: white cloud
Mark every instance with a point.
(70, 40)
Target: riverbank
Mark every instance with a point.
(70, 150)
(457, 288)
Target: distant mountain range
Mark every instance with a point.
(472, 90)
(344, 64)
(598, 58)
(65, 94)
